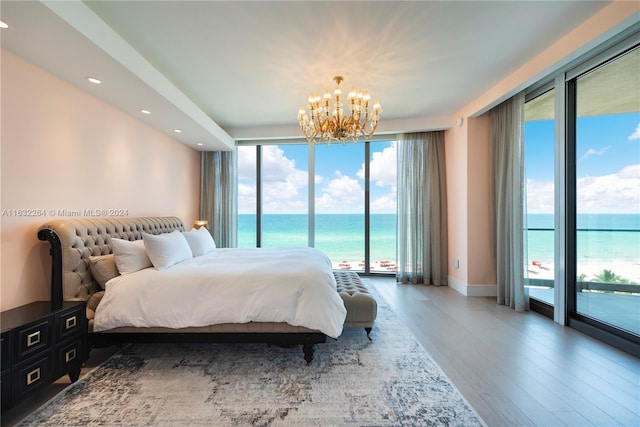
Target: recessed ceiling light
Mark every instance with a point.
(200, 144)
(94, 80)
(177, 130)
(3, 24)
(145, 111)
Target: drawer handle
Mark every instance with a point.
(33, 339)
(70, 355)
(71, 322)
(33, 376)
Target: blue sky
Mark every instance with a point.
(608, 167)
(338, 176)
(608, 164)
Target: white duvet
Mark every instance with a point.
(292, 285)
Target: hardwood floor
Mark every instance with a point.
(516, 369)
(519, 369)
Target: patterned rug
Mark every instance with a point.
(390, 381)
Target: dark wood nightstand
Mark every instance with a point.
(40, 344)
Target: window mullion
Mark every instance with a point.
(312, 191)
(367, 211)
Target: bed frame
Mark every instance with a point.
(74, 240)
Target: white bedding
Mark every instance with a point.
(292, 285)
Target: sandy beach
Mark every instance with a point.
(590, 269)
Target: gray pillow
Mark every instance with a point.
(103, 268)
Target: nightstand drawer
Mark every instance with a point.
(69, 323)
(40, 343)
(6, 390)
(32, 339)
(30, 376)
(5, 359)
(68, 356)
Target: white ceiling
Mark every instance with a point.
(235, 70)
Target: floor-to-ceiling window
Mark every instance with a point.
(383, 207)
(342, 202)
(247, 183)
(583, 225)
(339, 204)
(606, 288)
(539, 134)
(284, 195)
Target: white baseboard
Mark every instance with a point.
(472, 290)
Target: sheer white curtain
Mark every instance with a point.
(422, 209)
(508, 190)
(218, 195)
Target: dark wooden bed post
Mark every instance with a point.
(308, 350)
(56, 266)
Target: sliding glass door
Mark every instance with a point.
(582, 213)
(607, 185)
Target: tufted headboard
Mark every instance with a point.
(74, 240)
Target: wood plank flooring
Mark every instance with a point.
(516, 369)
(519, 369)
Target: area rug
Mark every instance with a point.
(388, 381)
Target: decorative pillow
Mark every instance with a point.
(130, 256)
(200, 241)
(166, 249)
(103, 268)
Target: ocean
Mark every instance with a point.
(602, 239)
(340, 236)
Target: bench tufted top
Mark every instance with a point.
(362, 308)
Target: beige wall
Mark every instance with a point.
(63, 149)
(468, 198)
(455, 141)
(479, 251)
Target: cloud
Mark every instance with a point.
(247, 163)
(614, 193)
(540, 196)
(608, 194)
(635, 134)
(383, 167)
(341, 194)
(284, 186)
(593, 152)
(276, 167)
(384, 204)
(246, 198)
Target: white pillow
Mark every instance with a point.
(167, 249)
(200, 241)
(130, 256)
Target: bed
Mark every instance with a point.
(77, 244)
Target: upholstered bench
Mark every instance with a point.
(361, 307)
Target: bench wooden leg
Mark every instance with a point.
(368, 331)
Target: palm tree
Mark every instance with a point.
(608, 276)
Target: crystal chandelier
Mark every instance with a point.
(330, 122)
